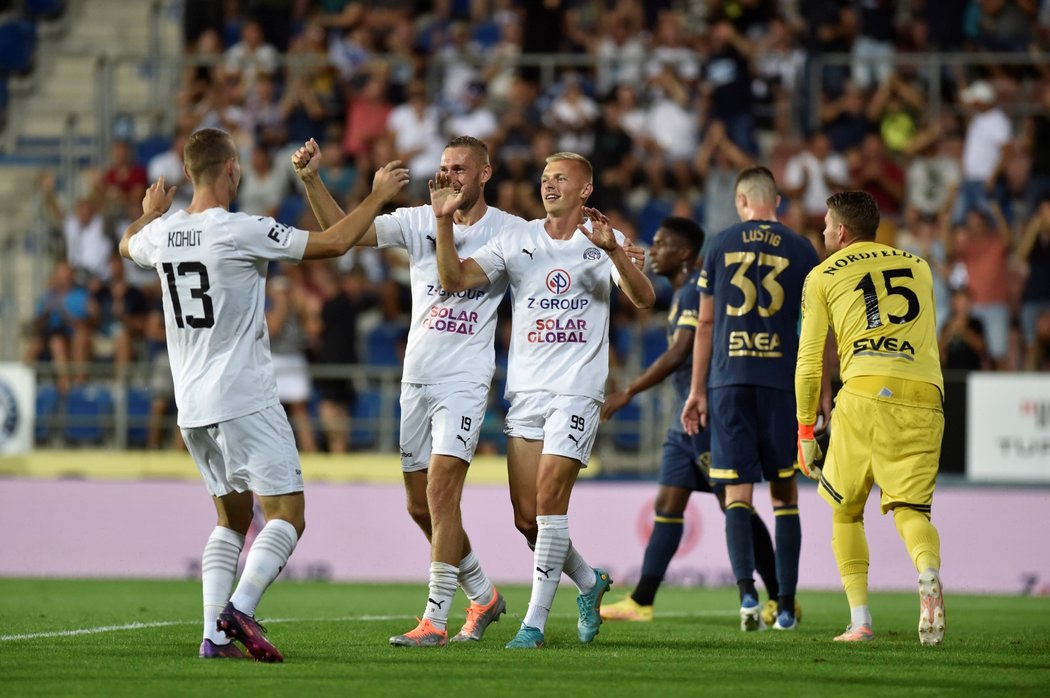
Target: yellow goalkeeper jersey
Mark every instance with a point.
(878, 300)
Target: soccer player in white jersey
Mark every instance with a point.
(449, 362)
(212, 266)
(560, 270)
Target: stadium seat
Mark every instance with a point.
(381, 345)
(46, 411)
(138, 407)
(147, 148)
(44, 9)
(17, 44)
(650, 216)
(364, 419)
(89, 409)
(654, 343)
(627, 421)
(290, 210)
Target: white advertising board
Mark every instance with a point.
(1008, 427)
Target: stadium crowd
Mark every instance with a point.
(669, 100)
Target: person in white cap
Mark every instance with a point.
(985, 151)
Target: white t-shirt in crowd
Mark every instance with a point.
(561, 291)
(816, 174)
(987, 133)
(212, 268)
(452, 334)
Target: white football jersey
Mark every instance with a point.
(212, 268)
(561, 291)
(452, 334)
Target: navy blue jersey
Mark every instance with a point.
(685, 308)
(755, 271)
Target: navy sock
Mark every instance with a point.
(663, 544)
(788, 548)
(765, 559)
(741, 549)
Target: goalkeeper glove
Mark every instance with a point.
(808, 452)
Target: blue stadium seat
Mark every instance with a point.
(139, 401)
(654, 343)
(17, 44)
(45, 9)
(147, 148)
(650, 216)
(290, 210)
(46, 411)
(364, 419)
(628, 427)
(88, 411)
(381, 345)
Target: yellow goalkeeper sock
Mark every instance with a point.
(851, 552)
(920, 538)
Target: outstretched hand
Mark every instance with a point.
(443, 197)
(307, 159)
(157, 199)
(601, 232)
(389, 180)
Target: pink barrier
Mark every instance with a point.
(992, 539)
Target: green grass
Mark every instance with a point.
(334, 638)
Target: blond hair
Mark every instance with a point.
(575, 157)
(205, 152)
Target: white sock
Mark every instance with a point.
(860, 616)
(578, 570)
(552, 545)
(218, 569)
(442, 588)
(266, 558)
(476, 585)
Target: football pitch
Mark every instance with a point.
(117, 638)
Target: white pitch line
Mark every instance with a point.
(338, 619)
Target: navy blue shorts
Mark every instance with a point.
(753, 434)
(686, 460)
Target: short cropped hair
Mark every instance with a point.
(687, 229)
(206, 151)
(481, 151)
(575, 157)
(757, 183)
(857, 211)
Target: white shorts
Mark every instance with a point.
(293, 378)
(252, 453)
(440, 418)
(567, 424)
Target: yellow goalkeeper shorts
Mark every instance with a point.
(885, 431)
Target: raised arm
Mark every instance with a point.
(349, 231)
(307, 161)
(156, 201)
(633, 281)
(455, 274)
(677, 352)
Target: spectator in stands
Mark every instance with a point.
(813, 175)
(727, 85)
(718, 161)
(415, 128)
(336, 344)
(962, 340)
(924, 235)
(263, 186)
(1033, 251)
(572, 115)
(619, 52)
(162, 386)
(672, 132)
(612, 159)
(62, 325)
(933, 174)
(845, 118)
(875, 172)
(985, 151)
(1036, 140)
(87, 247)
(123, 310)
(778, 67)
(458, 59)
(251, 57)
(874, 42)
(983, 246)
(895, 109)
(287, 322)
(124, 180)
(267, 115)
(1003, 26)
(351, 53)
(338, 175)
(473, 117)
(367, 115)
(672, 49)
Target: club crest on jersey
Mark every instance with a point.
(592, 253)
(558, 281)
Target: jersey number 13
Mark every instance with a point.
(199, 292)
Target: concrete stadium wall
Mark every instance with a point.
(993, 539)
